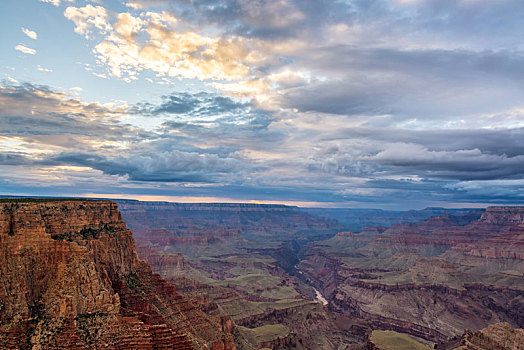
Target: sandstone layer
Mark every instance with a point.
(71, 279)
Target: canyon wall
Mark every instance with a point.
(71, 278)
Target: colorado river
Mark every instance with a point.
(320, 297)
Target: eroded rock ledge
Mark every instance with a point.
(71, 278)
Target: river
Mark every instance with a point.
(320, 297)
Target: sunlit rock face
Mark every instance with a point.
(71, 279)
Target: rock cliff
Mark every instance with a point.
(71, 279)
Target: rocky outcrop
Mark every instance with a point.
(286, 342)
(509, 245)
(503, 216)
(71, 278)
(499, 336)
(168, 265)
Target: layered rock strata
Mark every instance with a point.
(71, 279)
(431, 279)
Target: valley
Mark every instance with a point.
(246, 276)
(273, 268)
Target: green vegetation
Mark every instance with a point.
(390, 340)
(265, 286)
(86, 233)
(90, 326)
(264, 333)
(241, 308)
(134, 283)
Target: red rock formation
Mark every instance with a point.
(168, 265)
(499, 336)
(499, 233)
(71, 279)
(509, 245)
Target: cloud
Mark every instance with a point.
(42, 69)
(99, 75)
(24, 49)
(31, 34)
(161, 43)
(360, 51)
(31, 112)
(226, 147)
(13, 158)
(501, 141)
(52, 129)
(167, 50)
(174, 166)
(202, 104)
(366, 82)
(260, 18)
(468, 164)
(343, 101)
(88, 17)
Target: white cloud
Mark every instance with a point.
(12, 80)
(24, 49)
(31, 34)
(134, 5)
(42, 69)
(88, 17)
(103, 76)
(161, 43)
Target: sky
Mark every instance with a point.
(393, 104)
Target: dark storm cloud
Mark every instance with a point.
(469, 164)
(174, 166)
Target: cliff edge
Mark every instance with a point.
(71, 278)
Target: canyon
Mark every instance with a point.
(431, 279)
(264, 265)
(247, 276)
